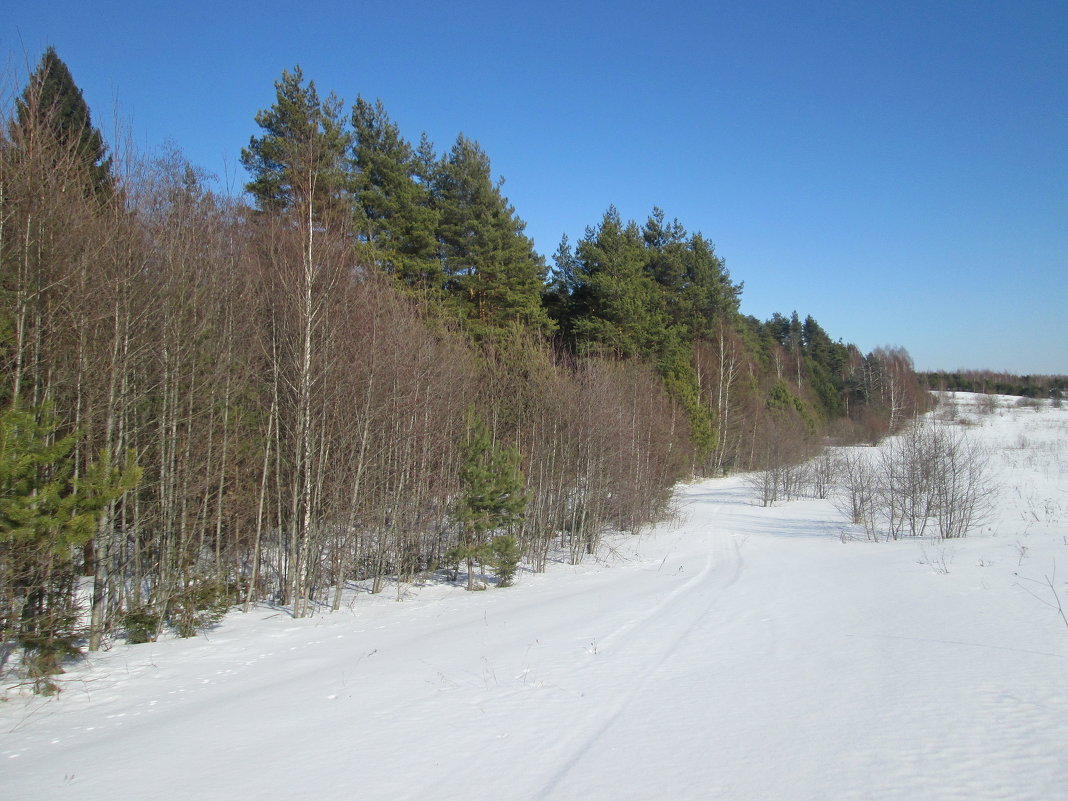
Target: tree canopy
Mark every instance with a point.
(52, 105)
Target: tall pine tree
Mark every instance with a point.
(299, 160)
(394, 201)
(615, 301)
(493, 274)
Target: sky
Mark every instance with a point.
(898, 170)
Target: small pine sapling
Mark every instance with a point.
(493, 496)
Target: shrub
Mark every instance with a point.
(929, 476)
(986, 404)
(505, 559)
(200, 605)
(141, 624)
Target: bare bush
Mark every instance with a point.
(856, 492)
(782, 454)
(931, 479)
(986, 404)
(948, 410)
(823, 472)
(962, 485)
(765, 485)
(906, 482)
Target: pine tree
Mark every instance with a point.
(556, 296)
(493, 274)
(300, 158)
(493, 498)
(53, 103)
(696, 285)
(615, 301)
(394, 200)
(826, 361)
(46, 516)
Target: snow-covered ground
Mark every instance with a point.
(737, 653)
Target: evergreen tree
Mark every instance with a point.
(555, 297)
(46, 516)
(493, 274)
(300, 158)
(665, 262)
(708, 292)
(394, 200)
(648, 293)
(53, 103)
(826, 362)
(493, 498)
(695, 282)
(615, 301)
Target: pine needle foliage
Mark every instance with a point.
(493, 496)
(47, 514)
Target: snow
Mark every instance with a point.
(737, 652)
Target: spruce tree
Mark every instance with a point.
(53, 103)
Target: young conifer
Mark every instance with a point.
(493, 498)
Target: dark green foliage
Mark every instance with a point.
(46, 515)
(42, 506)
(300, 158)
(492, 496)
(696, 285)
(647, 292)
(827, 367)
(988, 381)
(615, 304)
(201, 604)
(680, 379)
(632, 290)
(52, 102)
(782, 402)
(393, 200)
(505, 558)
(141, 624)
(43, 656)
(451, 560)
(493, 276)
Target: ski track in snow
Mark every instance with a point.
(737, 653)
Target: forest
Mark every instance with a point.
(359, 370)
(988, 382)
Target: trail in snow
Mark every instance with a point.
(739, 653)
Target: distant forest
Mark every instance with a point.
(359, 371)
(992, 383)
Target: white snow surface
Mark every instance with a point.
(737, 652)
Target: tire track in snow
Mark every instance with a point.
(721, 570)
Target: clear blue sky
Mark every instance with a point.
(898, 170)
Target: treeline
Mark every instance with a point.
(989, 382)
(366, 373)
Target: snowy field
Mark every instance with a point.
(738, 652)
